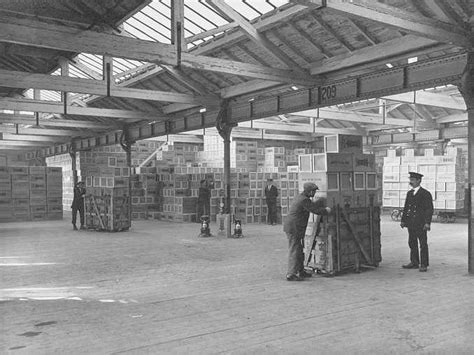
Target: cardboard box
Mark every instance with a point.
(343, 143)
(333, 162)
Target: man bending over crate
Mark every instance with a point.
(295, 229)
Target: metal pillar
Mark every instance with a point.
(72, 153)
(224, 127)
(126, 143)
(467, 90)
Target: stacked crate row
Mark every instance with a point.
(64, 161)
(443, 176)
(30, 193)
(345, 175)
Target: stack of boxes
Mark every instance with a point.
(344, 174)
(443, 176)
(275, 159)
(30, 193)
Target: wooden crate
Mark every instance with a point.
(107, 209)
(346, 239)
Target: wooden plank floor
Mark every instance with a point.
(160, 289)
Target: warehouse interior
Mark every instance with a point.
(143, 100)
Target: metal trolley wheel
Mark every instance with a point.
(446, 217)
(396, 215)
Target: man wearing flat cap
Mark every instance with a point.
(417, 215)
(271, 194)
(295, 228)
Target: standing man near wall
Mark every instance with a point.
(271, 194)
(204, 199)
(417, 215)
(78, 204)
(295, 229)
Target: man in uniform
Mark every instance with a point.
(271, 194)
(417, 215)
(295, 228)
(78, 204)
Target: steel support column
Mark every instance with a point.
(126, 144)
(73, 155)
(224, 127)
(467, 90)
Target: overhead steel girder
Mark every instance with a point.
(424, 136)
(415, 76)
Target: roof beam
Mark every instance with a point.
(24, 80)
(42, 131)
(252, 33)
(211, 32)
(57, 107)
(296, 127)
(400, 19)
(351, 116)
(427, 98)
(385, 50)
(4, 143)
(43, 35)
(31, 120)
(9, 137)
(457, 117)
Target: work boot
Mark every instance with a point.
(423, 268)
(82, 227)
(74, 227)
(304, 273)
(294, 278)
(410, 266)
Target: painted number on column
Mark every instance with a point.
(328, 92)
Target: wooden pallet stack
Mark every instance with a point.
(107, 209)
(30, 193)
(345, 175)
(444, 177)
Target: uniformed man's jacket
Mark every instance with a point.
(298, 215)
(271, 193)
(418, 209)
(79, 193)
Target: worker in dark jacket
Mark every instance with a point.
(417, 215)
(78, 204)
(271, 194)
(204, 199)
(295, 228)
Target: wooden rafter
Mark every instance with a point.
(57, 37)
(400, 19)
(252, 33)
(57, 107)
(31, 120)
(385, 50)
(25, 80)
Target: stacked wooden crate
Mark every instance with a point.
(107, 209)
(275, 159)
(345, 175)
(30, 193)
(444, 177)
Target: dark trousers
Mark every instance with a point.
(203, 209)
(75, 209)
(415, 235)
(272, 212)
(295, 253)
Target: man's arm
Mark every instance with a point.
(404, 219)
(428, 208)
(315, 207)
